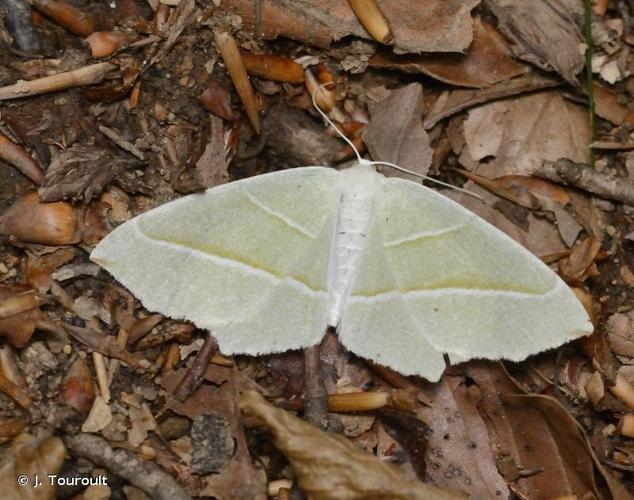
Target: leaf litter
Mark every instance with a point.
(489, 96)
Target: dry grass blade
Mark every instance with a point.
(235, 67)
(329, 466)
(372, 19)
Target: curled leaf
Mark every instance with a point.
(330, 466)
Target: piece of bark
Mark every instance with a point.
(296, 139)
(452, 102)
(395, 133)
(20, 26)
(211, 168)
(442, 26)
(142, 474)
(584, 177)
(486, 61)
(79, 172)
(212, 444)
(620, 333)
(545, 33)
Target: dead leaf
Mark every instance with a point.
(486, 61)
(238, 476)
(10, 428)
(545, 32)
(99, 417)
(27, 457)
(532, 128)
(217, 100)
(329, 466)
(454, 101)
(459, 448)
(607, 104)
(568, 227)
(442, 26)
(620, 333)
(537, 434)
(78, 390)
(578, 266)
(19, 327)
(142, 422)
(211, 168)
(529, 192)
(79, 172)
(395, 133)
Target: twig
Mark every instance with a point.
(315, 394)
(105, 344)
(17, 156)
(121, 142)
(584, 177)
(192, 378)
(143, 474)
(587, 34)
(102, 376)
(62, 81)
(20, 25)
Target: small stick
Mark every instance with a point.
(102, 376)
(584, 177)
(122, 341)
(230, 53)
(190, 381)
(17, 156)
(143, 474)
(315, 394)
(87, 75)
(121, 142)
(372, 19)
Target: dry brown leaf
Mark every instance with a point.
(27, 457)
(486, 61)
(459, 449)
(442, 26)
(18, 328)
(238, 476)
(580, 263)
(545, 32)
(531, 129)
(620, 333)
(99, 417)
(536, 433)
(606, 104)
(526, 191)
(211, 168)
(329, 466)
(78, 390)
(454, 101)
(10, 428)
(395, 133)
(217, 100)
(79, 172)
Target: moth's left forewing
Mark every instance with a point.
(472, 290)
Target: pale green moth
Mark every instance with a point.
(403, 273)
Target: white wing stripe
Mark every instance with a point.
(280, 216)
(421, 235)
(222, 261)
(446, 292)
